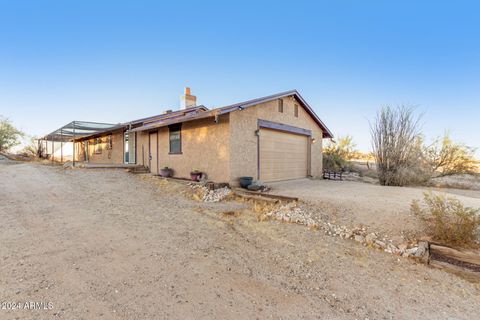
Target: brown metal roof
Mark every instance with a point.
(237, 106)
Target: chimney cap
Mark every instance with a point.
(187, 90)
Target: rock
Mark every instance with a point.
(391, 248)
(370, 238)
(423, 252)
(359, 238)
(402, 247)
(411, 251)
(381, 244)
(254, 187)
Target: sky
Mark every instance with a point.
(114, 61)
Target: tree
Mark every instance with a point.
(9, 135)
(336, 154)
(396, 142)
(446, 157)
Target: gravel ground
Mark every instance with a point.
(384, 209)
(104, 244)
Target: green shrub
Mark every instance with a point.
(337, 154)
(447, 219)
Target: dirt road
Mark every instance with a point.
(109, 245)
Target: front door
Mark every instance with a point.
(153, 153)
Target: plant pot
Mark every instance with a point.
(166, 172)
(245, 182)
(195, 176)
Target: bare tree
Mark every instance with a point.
(396, 143)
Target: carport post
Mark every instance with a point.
(73, 157)
(61, 145)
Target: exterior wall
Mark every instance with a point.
(205, 146)
(112, 156)
(142, 148)
(79, 151)
(244, 142)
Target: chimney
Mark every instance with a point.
(187, 100)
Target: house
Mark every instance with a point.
(277, 137)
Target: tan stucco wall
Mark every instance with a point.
(112, 156)
(142, 146)
(205, 146)
(243, 141)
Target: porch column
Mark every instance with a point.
(61, 145)
(73, 158)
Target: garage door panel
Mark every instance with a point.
(283, 155)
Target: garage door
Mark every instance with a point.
(283, 156)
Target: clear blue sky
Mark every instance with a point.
(114, 61)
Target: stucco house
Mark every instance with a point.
(277, 137)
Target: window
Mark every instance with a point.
(97, 147)
(280, 105)
(295, 110)
(175, 137)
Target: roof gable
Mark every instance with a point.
(294, 93)
(201, 114)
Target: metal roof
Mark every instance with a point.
(79, 129)
(84, 129)
(238, 106)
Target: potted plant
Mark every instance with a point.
(166, 172)
(195, 175)
(245, 181)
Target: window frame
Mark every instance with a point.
(173, 129)
(280, 105)
(295, 110)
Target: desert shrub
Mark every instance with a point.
(337, 154)
(396, 143)
(447, 219)
(446, 157)
(401, 156)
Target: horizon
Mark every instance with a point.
(117, 61)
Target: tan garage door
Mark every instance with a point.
(283, 156)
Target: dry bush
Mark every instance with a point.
(396, 140)
(402, 158)
(446, 158)
(447, 219)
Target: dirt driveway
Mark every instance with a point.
(386, 209)
(110, 245)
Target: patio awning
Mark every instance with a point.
(78, 130)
